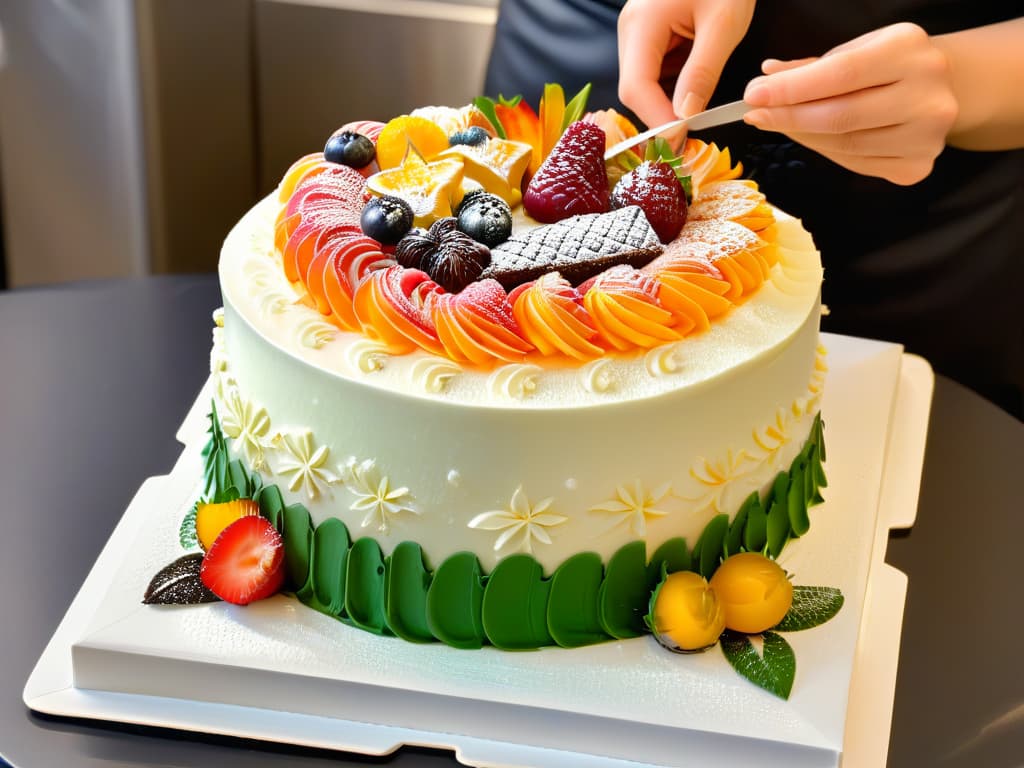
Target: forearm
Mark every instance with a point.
(987, 68)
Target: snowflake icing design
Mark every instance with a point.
(303, 463)
(635, 506)
(520, 517)
(374, 494)
(247, 425)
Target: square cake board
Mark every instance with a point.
(279, 671)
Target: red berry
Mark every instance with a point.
(245, 562)
(572, 180)
(655, 187)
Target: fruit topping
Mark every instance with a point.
(572, 180)
(405, 132)
(347, 262)
(413, 247)
(179, 584)
(476, 325)
(754, 592)
(737, 200)
(429, 188)
(685, 614)
(456, 261)
(246, 562)
(350, 148)
(552, 317)
(393, 306)
(706, 163)
(455, 119)
(623, 303)
(386, 219)
(654, 187)
(473, 136)
(369, 128)
(497, 166)
(486, 218)
(211, 519)
(578, 248)
(443, 226)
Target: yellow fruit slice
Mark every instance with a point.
(454, 119)
(211, 519)
(498, 165)
(429, 188)
(401, 133)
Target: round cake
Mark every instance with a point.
(509, 438)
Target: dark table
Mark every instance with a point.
(95, 379)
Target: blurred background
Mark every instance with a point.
(134, 133)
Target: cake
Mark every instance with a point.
(510, 438)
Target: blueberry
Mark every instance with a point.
(487, 219)
(351, 149)
(386, 219)
(473, 136)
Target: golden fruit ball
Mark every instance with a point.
(686, 615)
(754, 592)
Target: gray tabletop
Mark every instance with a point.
(95, 379)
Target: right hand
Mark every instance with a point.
(650, 30)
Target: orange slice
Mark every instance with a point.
(211, 519)
(401, 133)
(429, 188)
(454, 119)
(497, 165)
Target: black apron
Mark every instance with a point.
(937, 266)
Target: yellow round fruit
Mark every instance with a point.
(686, 615)
(754, 592)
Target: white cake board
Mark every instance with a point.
(279, 671)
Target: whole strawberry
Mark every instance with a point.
(654, 186)
(572, 180)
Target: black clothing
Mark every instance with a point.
(937, 266)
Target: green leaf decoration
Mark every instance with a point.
(778, 515)
(811, 607)
(327, 565)
(454, 602)
(486, 106)
(364, 586)
(576, 106)
(774, 671)
(215, 461)
(512, 103)
(796, 498)
(298, 540)
(818, 436)
(673, 555)
(734, 538)
(572, 605)
(272, 506)
(514, 609)
(407, 584)
(178, 583)
(755, 535)
(187, 531)
(659, 150)
(624, 594)
(710, 546)
(238, 478)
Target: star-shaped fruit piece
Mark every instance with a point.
(428, 188)
(497, 165)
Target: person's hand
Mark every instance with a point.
(652, 30)
(880, 105)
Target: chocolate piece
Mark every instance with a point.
(578, 247)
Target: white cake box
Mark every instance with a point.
(280, 671)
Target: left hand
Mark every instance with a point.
(880, 105)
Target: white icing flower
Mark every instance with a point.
(516, 380)
(665, 359)
(520, 517)
(432, 374)
(218, 317)
(268, 287)
(635, 506)
(772, 437)
(304, 464)
(375, 496)
(247, 425)
(597, 376)
(314, 332)
(366, 355)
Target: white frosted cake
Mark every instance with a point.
(490, 388)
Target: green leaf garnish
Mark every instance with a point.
(774, 671)
(187, 532)
(486, 106)
(659, 150)
(811, 606)
(574, 109)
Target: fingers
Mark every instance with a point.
(771, 66)
(713, 44)
(862, 110)
(899, 170)
(642, 49)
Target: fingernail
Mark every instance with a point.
(756, 93)
(692, 104)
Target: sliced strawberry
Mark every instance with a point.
(245, 562)
(655, 187)
(572, 180)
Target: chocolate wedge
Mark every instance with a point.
(578, 247)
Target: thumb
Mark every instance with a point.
(713, 44)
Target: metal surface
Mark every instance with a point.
(709, 118)
(96, 381)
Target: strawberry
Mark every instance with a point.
(245, 562)
(572, 180)
(655, 187)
